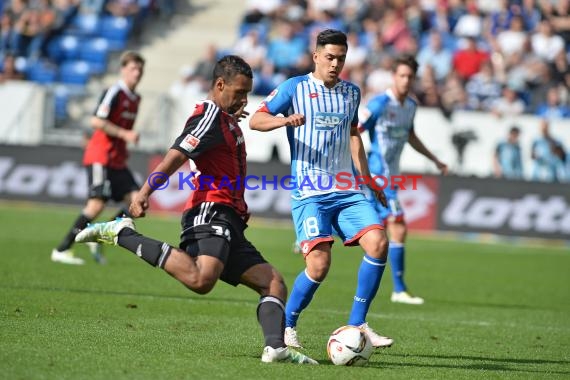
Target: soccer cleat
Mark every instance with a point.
(97, 252)
(375, 339)
(66, 257)
(106, 232)
(407, 298)
(285, 355)
(291, 338)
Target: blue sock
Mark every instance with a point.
(396, 256)
(303, 290)
(369, 276)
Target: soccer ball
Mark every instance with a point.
(349, 345)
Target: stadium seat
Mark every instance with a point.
(74, 72)
(95, 51)
(116, 31)
(64, 48)
(42, 72)
(84, 25)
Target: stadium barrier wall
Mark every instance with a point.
(54, 174)
(24, 112)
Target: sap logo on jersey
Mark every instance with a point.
(326, 121)
(189, 143)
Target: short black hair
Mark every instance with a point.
(515, 129)
(407, 60)
(229, 66)
(331, 37)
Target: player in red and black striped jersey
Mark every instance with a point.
(213, 244)
(106, 154)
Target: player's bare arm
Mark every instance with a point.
(361, 162)
(264, 122)
(113, 130)
(169, 164)
(419, 146)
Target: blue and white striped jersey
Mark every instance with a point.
(389, 124)
(320, 149)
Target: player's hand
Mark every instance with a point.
(240, 114)
(295, 120)
(379, 194)
(138, 206)
(442, 167)
(130, 136)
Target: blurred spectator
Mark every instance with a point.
(356, 54)
(545, 44)
(286, 49)
(512, 40)
(469, 24)
(380, 79)
(251, 49)
(187, 86)
(558, 12)
(9, 70)
(509, 104)
(436, 56)
(467, 61)
(122, 8)
(11, 27)
(395, 32)
(427, 89)
(548, 156)
(453, 96)
(507, 160)
(205, 66)
(553, 107)
(482, 88)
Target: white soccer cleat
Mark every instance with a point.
(407, 298)
(106, 232)
(376, 340)
(96, 250)
(285, 355)
(291, 338)
(66, 257)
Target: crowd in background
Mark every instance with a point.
(506, 57)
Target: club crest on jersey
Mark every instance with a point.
(327, 121)
(189, 143)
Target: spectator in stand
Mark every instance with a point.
(286, 49)
(545, 43)
(558, 12)
(483, 89)
(436, 56)
(468, 61)
(512, 40)
(9, 70)
(122, 8)
(12, 41)
(427, 89)
(251, 49)
(507, 160)
(548, 156)
(395, 33)
(509, 104)
(204, 66)
(470, 24)
(453, 95)
(553, 107)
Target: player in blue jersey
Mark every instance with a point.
(319, 111)
(389, 119)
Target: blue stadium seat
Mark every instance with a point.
(42, 72)
(64, 48)
(84, 25)
(74, 72)
(95, 51)
(116, 31)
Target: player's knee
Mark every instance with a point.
(377, 245)
(201, 285)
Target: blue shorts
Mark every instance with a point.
(393, 212)
(346, 214)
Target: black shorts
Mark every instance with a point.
(218, 231)
(105, 183)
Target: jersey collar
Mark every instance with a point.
(320, 82)
(127, 90)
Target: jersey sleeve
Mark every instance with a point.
(279, 101)
(108, 100)
(371, 113)
(354, 122)
(200, 133)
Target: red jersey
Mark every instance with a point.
(119, 105)
(468, 63)
(215, 142)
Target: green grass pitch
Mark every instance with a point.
(492, 311)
